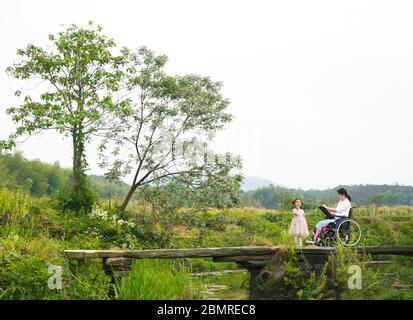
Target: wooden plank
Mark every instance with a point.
(171, 253)
(199, 252)
(117, 261)
(224, 252)
(244, 258)
(89, 254)
(377, 263)
(390, 250)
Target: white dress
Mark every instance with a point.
(299, 227)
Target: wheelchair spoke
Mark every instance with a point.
(348, 232)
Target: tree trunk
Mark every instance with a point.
(75, 166)
(123, 206)
(78, 174)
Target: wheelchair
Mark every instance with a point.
(344, 231)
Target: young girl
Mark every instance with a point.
(299, 227)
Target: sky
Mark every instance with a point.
(321, 91)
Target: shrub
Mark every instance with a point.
(25, 278)
(340, 262)
(84, 202)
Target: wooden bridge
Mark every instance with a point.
(117, 263)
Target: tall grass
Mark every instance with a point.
(14, 206)
(159, 280)
(373, 211)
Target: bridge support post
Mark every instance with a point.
(116, 268)
(256, 292)
(267, 275)
(265, 284)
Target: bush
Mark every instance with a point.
(25, 278)
(82, 204)
(340, 263)
(24, 268)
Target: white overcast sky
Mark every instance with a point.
(322, 91)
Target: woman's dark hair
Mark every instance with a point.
(344, 192)
(296, 200)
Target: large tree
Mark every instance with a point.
(79, 75)
(165, 133)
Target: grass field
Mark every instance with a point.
(33, 234)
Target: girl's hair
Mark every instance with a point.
(296, 200)
(344, 192)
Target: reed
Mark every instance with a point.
(159, 280)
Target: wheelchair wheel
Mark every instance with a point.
(348, 232)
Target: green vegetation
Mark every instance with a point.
(330, 282)
(83, 76)
(159, 280)
(41, 179)
(33, 232)
(275, 197)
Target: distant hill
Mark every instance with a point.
(251, 183)
(278, 197)
(106, 189)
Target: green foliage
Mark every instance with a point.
(87, 281)
(208, 265)
(31, 237)
(41, 179)
(274, 197)
(262, 197)
(25, 253)
(284, 200)
(83, 75)
(300, 279)
(83, 202)
(165, 200)
(340, 263)
(382, 199)
(106, 188)
(34, 177)
(24, 278)
(14, 207)
(218, 228)
(159, 280)
(83, 71)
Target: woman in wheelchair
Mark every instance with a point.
(341, 211)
